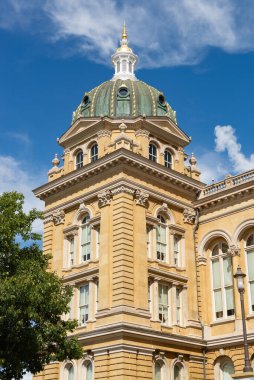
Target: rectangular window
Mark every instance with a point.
(217, 289)
(148, 231)
(86, 242)
(149, 297)
(178, 306)
(161, 244)
(71, 252)
(163, 303)
(98, 237)
(83, 304)
(176, 250)
(250, 261)
(228, 285)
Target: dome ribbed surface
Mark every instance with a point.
(124, 99)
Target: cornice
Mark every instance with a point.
(117, 331)
(160, 274)
(82, 275)
(230, 340)
(120, 156)
(122, 185)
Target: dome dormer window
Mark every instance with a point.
(162, 100)
(123, 92)
(86, 100)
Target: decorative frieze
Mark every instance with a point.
(142, 132)
(104, 198)
(141, 197)
(122, 189)
(104, 133)
(189, 215)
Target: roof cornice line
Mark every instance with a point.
(120, 156)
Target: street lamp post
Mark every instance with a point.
(240, 286)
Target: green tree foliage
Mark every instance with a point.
(32, 299)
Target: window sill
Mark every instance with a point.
(250, 316)
(166, 264)
(222, 321)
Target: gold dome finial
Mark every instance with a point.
(124, 32)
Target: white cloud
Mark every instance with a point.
(226, 140)
(168, 33)
(13, 177)
(227, 158)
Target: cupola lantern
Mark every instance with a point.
(124, 60)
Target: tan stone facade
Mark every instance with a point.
(150, 252)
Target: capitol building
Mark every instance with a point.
(149, 249)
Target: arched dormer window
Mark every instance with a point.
(79, 159)
(250, 268)
(161, 238)
(222, 281)
(85, 239)
(153, 152)
(168, 159)
(94, 152)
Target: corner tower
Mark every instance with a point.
(119, 222)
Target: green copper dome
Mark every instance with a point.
(124, 98)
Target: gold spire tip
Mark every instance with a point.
(124, 32)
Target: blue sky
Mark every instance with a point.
(199, 53)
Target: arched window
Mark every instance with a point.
(161, 239)
(168, 159)
(70, 372)
(178, 372)
(224, 369)
(94, 153)
(89, 371)
(223, 296)
(250, 265)
(157, 371)
(79, 160)
(85, 239)
(227, 369)
(153, 152)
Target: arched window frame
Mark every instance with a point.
(79, 159)
(153, 152)
(84, 369)
(160, 363)
(249, 255)
(168, 159)
(94, 152)
(221, 282)
(180, 367)
(219, 368)
(66, 370)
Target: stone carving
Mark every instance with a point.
(141, 197)
(104, 198)
(189, 216)
(59, 217)
(234, 250)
